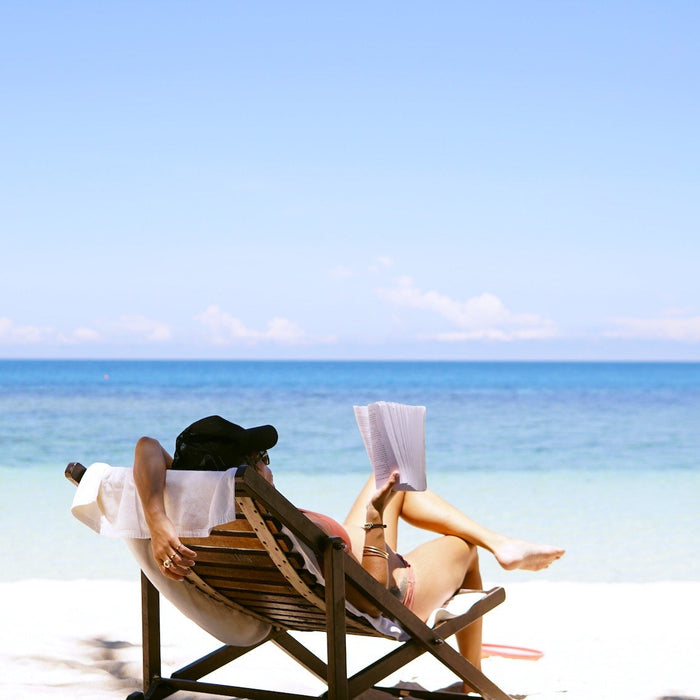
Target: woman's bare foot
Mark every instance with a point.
(518, 554)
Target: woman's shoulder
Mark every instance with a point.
(328, 525)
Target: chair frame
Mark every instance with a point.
(254, 494)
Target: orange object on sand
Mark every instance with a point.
(510, 652)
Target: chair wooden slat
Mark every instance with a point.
(241, 541)
(234, 574)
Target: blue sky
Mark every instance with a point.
(445, 180)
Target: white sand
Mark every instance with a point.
(620, 641)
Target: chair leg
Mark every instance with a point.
(335, 621)
(150, 631)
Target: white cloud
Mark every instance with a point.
(227, 329)
(483, 317)
(224, 327)
(280, 330)
(129, 328)
(381, 263)
(145, 328)
(86, 334)
(665, 328)
(79, 336)
(12, 334)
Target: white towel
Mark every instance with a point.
(196, 501)
(457, 605)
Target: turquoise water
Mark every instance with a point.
(602, 458)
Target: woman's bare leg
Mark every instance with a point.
(454, 556)
(458, 564)
(428, 511)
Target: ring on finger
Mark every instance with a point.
(167, 563)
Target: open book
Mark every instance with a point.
(394, 437)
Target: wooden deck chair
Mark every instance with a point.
(254, 563)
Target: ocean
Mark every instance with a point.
(601, 458)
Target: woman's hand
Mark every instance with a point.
(381, 497)
(174, 560)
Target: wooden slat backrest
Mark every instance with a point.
(250, 564)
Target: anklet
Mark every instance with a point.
(375, 551)
(371, 526)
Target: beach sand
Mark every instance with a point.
(81, 639)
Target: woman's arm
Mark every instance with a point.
(375, 558)
(150, 464)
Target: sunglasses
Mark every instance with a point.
(262, 456)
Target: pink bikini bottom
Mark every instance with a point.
(410, 583)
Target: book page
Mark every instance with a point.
(385, 462)
(362, 418)
(394, 438)
(376, 441)
(405, 431)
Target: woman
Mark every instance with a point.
(370, 532)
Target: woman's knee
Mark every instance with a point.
(450, 555)
(146, 446)
(472, 574)
(146, 442)
(462, 549)
(465, 556)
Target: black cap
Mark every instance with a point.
(215, 444)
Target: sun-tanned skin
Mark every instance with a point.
(454, 554)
